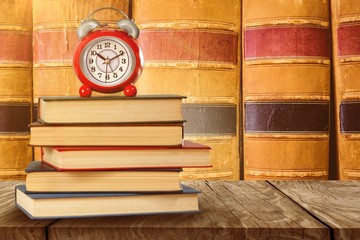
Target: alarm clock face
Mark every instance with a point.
(107, 61)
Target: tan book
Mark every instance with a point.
(120, 109)
(43, 178)
(188, 154)
(15, 87)
(346, 59)
(195, 52)
(170, 134)
(286, 89)
(73, 205)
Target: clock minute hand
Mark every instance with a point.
(122, 53)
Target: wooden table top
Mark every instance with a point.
(229, 210)
(335, 203)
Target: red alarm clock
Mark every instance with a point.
(108, 60)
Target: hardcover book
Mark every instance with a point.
(43, 178)
(77, 205)
(346, 59)
(15, 87)
(120, 109)
(162, 134)
(189, 154)
(195, 52)
(286, 89)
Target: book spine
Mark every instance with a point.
(15, 87)
(346, 59)
(191, 49)
(286, 85)
(54, 42)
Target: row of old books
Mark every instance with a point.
(110, 156)
(15, 87)
(286, 67)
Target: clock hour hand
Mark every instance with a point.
(101, 56)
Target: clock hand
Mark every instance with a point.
(101, 56)
(106, 71)
(122, 53)
(112, 70)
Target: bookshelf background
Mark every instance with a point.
(196, 49)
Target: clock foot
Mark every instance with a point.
(130, 90)
(85, 91)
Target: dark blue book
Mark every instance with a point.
(77, 205)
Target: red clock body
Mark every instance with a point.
(108, 61)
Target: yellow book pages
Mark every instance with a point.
(286, 88)
(107, 135)
(43, 178)
(55, 205)
(15, 87)
(346, 58)
(192, 49)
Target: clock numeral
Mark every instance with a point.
(107, 45)
(93, 53)
(121, 69)
(115, 47)
(99, 46)
(99, 74)
(123, 61)
(115, 75)
(121, 52)
(93, 69)
(107, 77)
(91, 61)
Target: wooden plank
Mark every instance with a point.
(229, 210)
(335, 203)
(14, 224)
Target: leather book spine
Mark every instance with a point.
(15, 87)
(286, 89)
(346, 60)
(192, 48)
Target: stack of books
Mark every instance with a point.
(104, 156)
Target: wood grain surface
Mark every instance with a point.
(14, 224)
(335, 203)
(229, 210)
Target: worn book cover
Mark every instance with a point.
(346, 58)
(15, 87)
(192, 49)
(286, 89)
